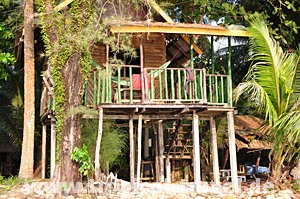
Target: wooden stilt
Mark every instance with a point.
(196, 151)
(161, 150)
(44, 132)
(142, 68)
(52, 148)
(155, 136)
(214, 150)
(98, 144)
(173, 170)
(257, 162)
(139, 157)
(226, 157)
(131, 153)
(168, 170)
(232, 152)
(146, 143)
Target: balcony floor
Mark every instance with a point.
(164, 111)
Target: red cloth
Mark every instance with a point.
(136, 81)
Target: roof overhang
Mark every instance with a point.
(177, 28)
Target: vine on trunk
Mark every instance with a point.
(72, 31)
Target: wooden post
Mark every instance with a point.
(257, 162)
(161, 150)
(131, 153)
(229, 73)
(142, 68)
(52, 148)
(196, 151)
(168, 170)
(226, 157)
(98, 144)
(232, 152)
(146, 143)
(214, 150)
(44, 142)
(155, 136)
(139, 157)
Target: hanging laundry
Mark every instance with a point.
(189, 78)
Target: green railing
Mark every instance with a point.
(168, 85)
(175, 85)
(217, 89)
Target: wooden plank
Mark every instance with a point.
(229, 73)
(119, 85)
(214, 151)
(99, 86)
(62, 5)
(172, 84)
(184, 84)
(131, 152)
(98, 144)
(166, 84)
(152, 84)
(142, 69)
(216, 90)
(139, 157)
(161, 150)
(196, 152)
(168, 170)
(131, 89)
(52, 148)
(175, 29)
(146, 143)
(153, 117)
(179, 84)
(160, 84)
(157, 170)
(95, 89)
(44, 143)
(161, 11)
(232, 152)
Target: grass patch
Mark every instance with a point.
(7, 183)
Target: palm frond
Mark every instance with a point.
(272, 68)
(257, 94)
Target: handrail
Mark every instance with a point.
(172, 85)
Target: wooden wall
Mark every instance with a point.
(154, 49)
(99, 54)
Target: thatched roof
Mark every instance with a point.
(250, 133)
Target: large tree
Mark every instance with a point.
(69, 33)
(27, 158)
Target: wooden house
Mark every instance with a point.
(153, 88)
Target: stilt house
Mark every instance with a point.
(152, 89)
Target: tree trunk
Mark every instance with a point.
(71, 132)
(27, 159)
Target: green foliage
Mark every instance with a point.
(74, 33)
(283, 16)
(7, 37)
(271, 82)
(9, 182)
(82, 157)
(113, 143)
(295, 185)
(11, 111)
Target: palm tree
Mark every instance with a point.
(273, 83)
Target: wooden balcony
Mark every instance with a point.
(156, 86)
